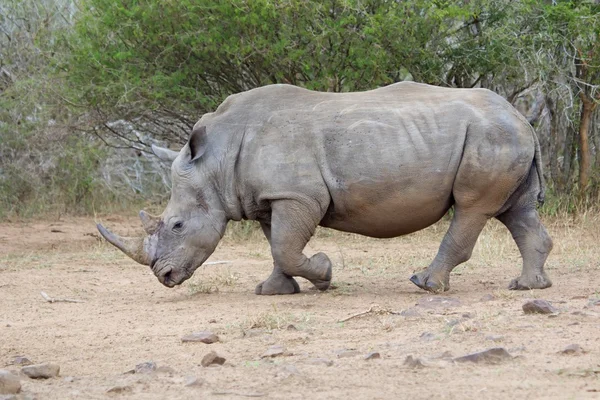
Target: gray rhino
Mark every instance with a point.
(380, 163)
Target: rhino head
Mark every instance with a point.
(189, 229)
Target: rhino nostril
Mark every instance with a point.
(167, 276)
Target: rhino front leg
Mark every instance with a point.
(292, 225)
(456, 248)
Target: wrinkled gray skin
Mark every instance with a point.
(381, 163)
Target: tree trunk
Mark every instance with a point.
(587, 110)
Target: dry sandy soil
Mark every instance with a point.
(127, 318)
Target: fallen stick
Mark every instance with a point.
(51, 300)
(217, 262)
(370, 310)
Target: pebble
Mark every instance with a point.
(572, 349)
(539, 306)
(274, 351)
(164, 369)
(119, 389)
(204, 337)
(69, 379)
(20, 360)
(490, 356)
(41, 371)
(438, 302)
(372, 355)
(495, 338)
(414, 363)
(488, 297)
(212, 358)
(291, 327)
(9, 383)
(320, 361)
(410, 312)
(145, 367)
(193, 381)
(347, 353)
(427, 336)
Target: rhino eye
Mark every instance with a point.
(178, 226)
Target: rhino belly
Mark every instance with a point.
(387, 210)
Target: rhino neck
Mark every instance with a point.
(226, 182)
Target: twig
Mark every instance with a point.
(370, 310)
(51, 300)
(228, 392)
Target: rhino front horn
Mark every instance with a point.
(149, 222)
(132, 247)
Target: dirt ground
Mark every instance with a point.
(127, 318)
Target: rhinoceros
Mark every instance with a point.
(381, 163)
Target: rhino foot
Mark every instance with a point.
(279, 284)
(525, 282)
(431, 282)
(322, 264)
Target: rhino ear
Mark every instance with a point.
(197, 143)
(164, 154)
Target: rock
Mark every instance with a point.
(372, 355)
(495, 338)
(488, 297)
(538, 306)
(572, 349)
(204, 337)
(490, 356)
(274, 351)
(346, 353)
(468, 315)
(414, 363)
(20, 360)
(410, 312)
(212, 358)
(164, 369)
(41, 371)
(255, 332)
(9, 383)
(291, 327)
(438, 302)
(452, 322)
(320, 361)
(69, 379)
(193, 381)
(145, 367)
(119, 389)
(427, 336)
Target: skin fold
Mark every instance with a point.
(381, 163)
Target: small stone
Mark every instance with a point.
(204, 337)
(372, 355)
(119, 389)
(346, 353)
(320, 361)
(165, 369)
(212, 358)
(41, 371)
(553, 316)
(572, 349)
(212, 321)
(9, 383)
(69, 379)
(414, 363)
(255, 332)
(410, 312)
(468, 315)
(539, 306)
(22, 361)
(193, 381)
(145, 367)
(291, 327)
(490, 356)
(438, 302)
(488, 297)
(452, 322)
(495, 338)
(274, 351)
(427, 336)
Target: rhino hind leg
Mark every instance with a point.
(291, 227)
(534, 244)
(456, 248)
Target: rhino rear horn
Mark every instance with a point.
(149, 222)
(132, 247)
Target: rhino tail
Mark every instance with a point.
(537, 158)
